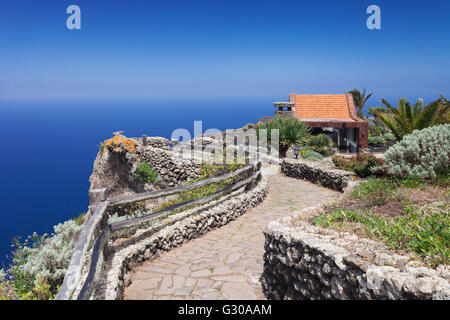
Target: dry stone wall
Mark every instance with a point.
(302, 262)
(155, 142)
(172, 170)
(319, 173)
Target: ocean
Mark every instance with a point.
(48, 150)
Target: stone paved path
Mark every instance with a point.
(225, 263)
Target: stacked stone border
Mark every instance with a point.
(320, 173)
(173, 232)
(302, 261)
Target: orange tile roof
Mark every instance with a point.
(323, 106)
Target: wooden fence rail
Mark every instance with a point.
(97, 231)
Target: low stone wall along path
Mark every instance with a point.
(226, 263)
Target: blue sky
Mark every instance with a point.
(157, 49)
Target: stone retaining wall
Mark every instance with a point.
(172, 232)
(156, 142)
(173, 171)
(319, 173)
(302, 261)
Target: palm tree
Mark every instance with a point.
(360, 100)
(292, 132)
(443, 112)
(406, 118)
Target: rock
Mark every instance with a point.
(328, 271)
(356, 262)
(394, 260)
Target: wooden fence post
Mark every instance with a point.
(144, 140)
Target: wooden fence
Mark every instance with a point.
(97, 231)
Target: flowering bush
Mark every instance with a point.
(423, 154)
(116, 143)
(52, 258)
(39, 263)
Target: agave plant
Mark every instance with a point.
(292, 132)
(360, 100)
(406, 118)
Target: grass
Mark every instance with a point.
(197, 193)
(207, 170)
(408, 215)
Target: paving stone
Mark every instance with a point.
(190, 282)
(210, 296)
(196, 267)
(156, 269)
(183, 271)
(234, 257)
(178, 282)
(201, 273)
(164, 291)
(166, 283)
(240, 278)
(139, 295)
(204, 283)
(183, 291)
(222, 270)
(147, 284)
(238, 291)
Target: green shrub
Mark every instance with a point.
(209, 170)
(292, 132)
(52, 257)
(80, 219)
(145, 173)
(376, 140)
(39, 264)
(381, 139)
(101, 148)
(389, 137)
(423, 154)
(311, 155)
(374, 191)
(322, 143)
(363, 165)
